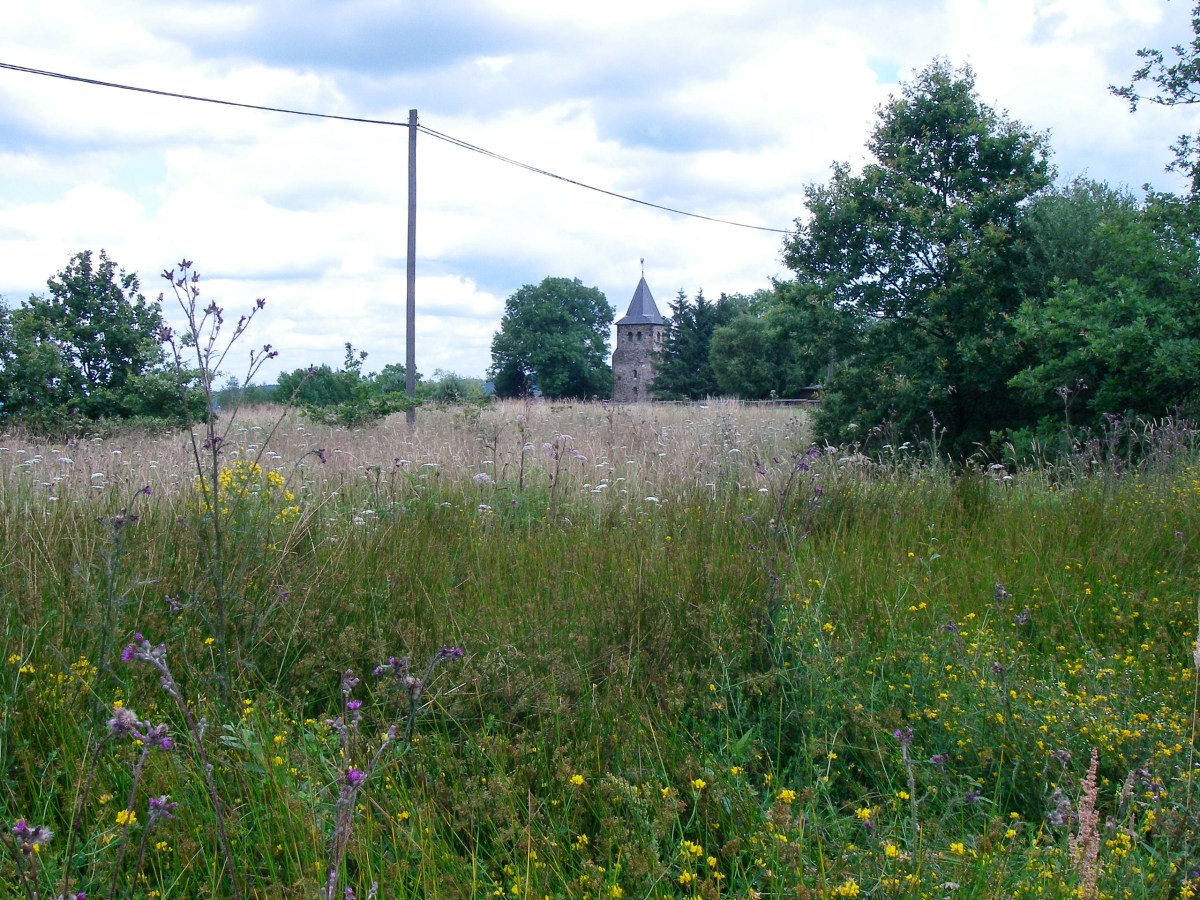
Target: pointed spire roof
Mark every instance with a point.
(642, 310)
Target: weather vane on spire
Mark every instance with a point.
(643, 262)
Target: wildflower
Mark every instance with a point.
(448, 653)
(162, 809)
(891, 851)
(904, 736)
(209, 641)
(577, 780)
(31, 838)
(126, 817)
(1059, 813)
(848, 888)
(736, 770)
(863, 814)
(124, 722)
(354, 777)
(699, 784)
(158, 738)
(691, 848)
(786, 796)
(686, 878)
(958, 847)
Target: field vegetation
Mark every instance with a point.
(539, 650)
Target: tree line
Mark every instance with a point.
(950, 288)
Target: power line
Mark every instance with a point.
(362, 121)
(513, 162)
(157, 93)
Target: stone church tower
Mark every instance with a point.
(640, 332)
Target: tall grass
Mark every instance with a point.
(701, 660)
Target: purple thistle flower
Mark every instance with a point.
(938, 759)
(393, 666)
(972, 796)
(158, 738)
(349, 683)
(29, 836)
(124, 721)
(353, 705)
(904, 736)
(354, 777)
(162, 808)
(446, 653)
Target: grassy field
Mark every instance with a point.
(699, 658)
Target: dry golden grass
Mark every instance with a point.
(642, 448)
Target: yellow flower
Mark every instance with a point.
(126, 817)
(848, 888)
(14, 659)
(958, 847)
(863, 813)
(787, 796)
(208, 641)
(891, 851)
(615, 892)
(736, 770)
(692, 848)
(699, 784)
(686, 878)
(577, 780)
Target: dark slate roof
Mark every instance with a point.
(642, 310)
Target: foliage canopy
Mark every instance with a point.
(553, 338)
(89, 351)
(914, 255)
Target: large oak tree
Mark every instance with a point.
(553, 337)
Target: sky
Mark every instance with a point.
(725, 109)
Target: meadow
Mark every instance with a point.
(552, 650)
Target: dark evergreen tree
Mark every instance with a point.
(682, 367)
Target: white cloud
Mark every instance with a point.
(724, 109)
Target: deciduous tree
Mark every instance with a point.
(90, 350)
(916, 252)
(554, 336)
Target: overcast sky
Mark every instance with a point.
(727, 109)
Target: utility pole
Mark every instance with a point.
(410, 359)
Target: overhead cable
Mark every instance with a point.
(363, 121)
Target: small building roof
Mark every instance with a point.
(642, 310)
